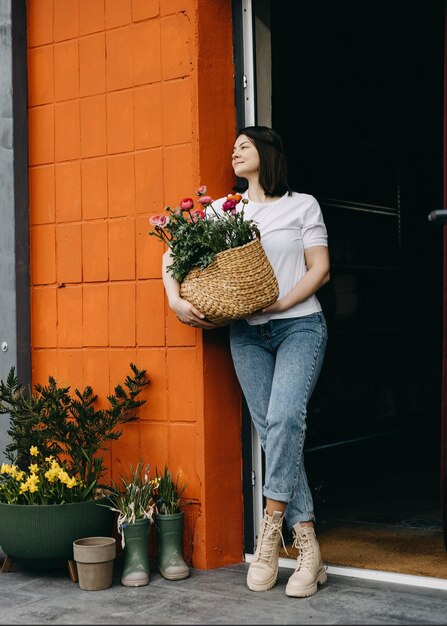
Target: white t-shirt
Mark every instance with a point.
(288, 226)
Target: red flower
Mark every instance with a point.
(186, 204)
(229, 205)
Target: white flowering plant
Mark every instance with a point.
(132, 498)
(195, 235)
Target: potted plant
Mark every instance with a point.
(133, 500)
(169, 524)
(214, 253)
(49, 493)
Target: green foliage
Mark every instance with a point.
(168, 493)
(68, 427)
(196, 236)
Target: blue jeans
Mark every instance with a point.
(278, 364)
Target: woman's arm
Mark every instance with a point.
(317, 262)
(184, 310)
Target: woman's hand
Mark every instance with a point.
(188, 314)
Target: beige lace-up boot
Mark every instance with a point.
(309, 570)
(263, 571)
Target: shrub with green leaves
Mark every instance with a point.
(68, 427)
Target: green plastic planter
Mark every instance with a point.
(44, 534)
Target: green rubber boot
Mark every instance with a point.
(170, 561)
(136, 554)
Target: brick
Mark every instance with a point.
(68, 257)
(150, 313)
(68, 191)
(125, 450)
(149, 181)
(154, 444)
(119, 64)
(95, 265)
(43, 255)
(43, 364)
(118, 13)
(93, 126)
(122, 249)
(178, 334)
(122, 314)
(41, 134)
(176, 6)
(149, 250)
(183, 456)
(40, 75)
(146, 52)
(177, 115)
(94, 188)
(92, 65)
(68, 253)
(43, 317)
(144, 9)
(66, 70)
(39, 15)
(148, 116)
(67, 131)
(153, 360)
(178, 175)
(91, 16)
(69, 317)
(70, 369)
(119, 366)
(96, 375)
(121, 185)
(41, 194)
(66, 22)
(95, 302)
(120, 130)
(183, 365)
(176, 43)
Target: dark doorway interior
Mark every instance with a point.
(358, 98)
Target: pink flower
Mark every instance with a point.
(205, 200)
(201, 191)
(197, 214)
(154, 220)
(159, 220)
(229, 205)
(186, 204)
(163, 221)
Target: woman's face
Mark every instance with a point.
(245, 157)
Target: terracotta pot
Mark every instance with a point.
(94, 558)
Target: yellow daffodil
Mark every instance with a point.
(34, 468)
(34, 451)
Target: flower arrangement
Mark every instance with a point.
(168, 494)
(196, 235)
(133, 498)
(57, 438)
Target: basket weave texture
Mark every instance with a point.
(239, 282)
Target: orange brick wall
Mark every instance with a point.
(131, 107)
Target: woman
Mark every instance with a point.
(278, 352)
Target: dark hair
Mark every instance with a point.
(273, 165)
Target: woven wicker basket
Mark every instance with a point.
(239, 282)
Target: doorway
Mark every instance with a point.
(357, 96)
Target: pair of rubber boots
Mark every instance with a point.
(263, 571)
(170, 563)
